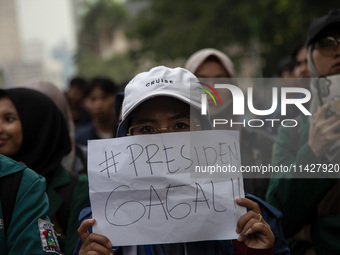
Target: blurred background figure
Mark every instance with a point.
(255, 144)
(285, 68)
(75, 94)
(208, 64)
(293, 70)
(75, 160)
(100, 103)
(311, 211)
(299, 56)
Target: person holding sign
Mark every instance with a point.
(157, 102)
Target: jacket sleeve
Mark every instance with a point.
(85, 214)
(273, 217)
(30, 225)
(296, 198)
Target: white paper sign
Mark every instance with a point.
(144, 189)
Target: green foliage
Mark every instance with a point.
(176, 28)
(99, 23)
(119, 68)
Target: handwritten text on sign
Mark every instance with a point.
(143, 189)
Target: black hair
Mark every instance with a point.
(104, 83)
(300, 45)
(285, 64)
(78, 82)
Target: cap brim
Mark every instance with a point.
(158, 94)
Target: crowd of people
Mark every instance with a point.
(44, 187)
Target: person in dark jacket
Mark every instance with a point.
(100, 104)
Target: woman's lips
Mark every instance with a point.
(3, 141)
(337, 66)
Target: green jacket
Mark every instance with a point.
(79, 195)
(30, 231)
(298, 198)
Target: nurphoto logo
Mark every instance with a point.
(279, 101)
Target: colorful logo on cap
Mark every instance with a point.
(209, 93)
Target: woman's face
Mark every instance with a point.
(10, 128)
(214, 70)
(163, 115)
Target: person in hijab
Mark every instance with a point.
(215, 66)
(210, 64)
(310, 204)
(75, 160)
(41, 142)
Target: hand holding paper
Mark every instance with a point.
(148, 189)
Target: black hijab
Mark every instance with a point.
(45, 134)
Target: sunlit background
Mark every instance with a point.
(59, 39)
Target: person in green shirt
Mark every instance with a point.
(27, 226)
(34, 132)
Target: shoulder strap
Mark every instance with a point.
(66, 192)
(9, 186)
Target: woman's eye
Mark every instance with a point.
(182, 125)
(146, 129)
(10, 119)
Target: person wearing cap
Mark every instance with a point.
(159, 101)
(310, 206)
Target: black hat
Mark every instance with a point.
(319, 24)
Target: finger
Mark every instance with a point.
(246, 228)
(100, 239)
(95, 248)
(241, 223)
(323, 109)
(261, 232)
(254, 212)
(245, 202)
(249, 224)
(83, 230)
(334, 124)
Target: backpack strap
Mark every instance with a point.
(66, 192)
(9, 186)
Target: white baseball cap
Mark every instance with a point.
(176, 82)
